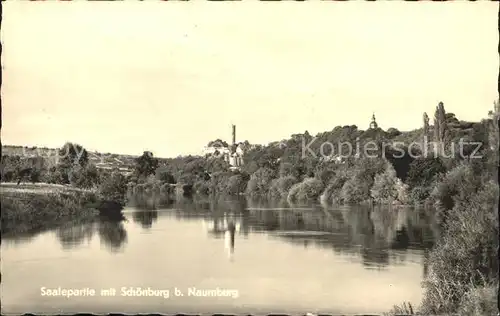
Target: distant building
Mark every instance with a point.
(217, 149)
(235, 157)
(233, 153)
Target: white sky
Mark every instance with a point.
(168, 77)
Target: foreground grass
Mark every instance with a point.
(29, 207)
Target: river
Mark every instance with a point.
(257, 257)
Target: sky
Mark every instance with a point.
(168, 77)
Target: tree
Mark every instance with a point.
(393, 132)
(440, 126)
(384, 189)
(260, 181)
(423, 170)
(332, 193)
(422, 173)
(425, 131)
(10, 166)
(493, 137)
(218, 143)
(426, 124)
(163, 174)
(72, 154)
(360, 179)
(113, 188)
(281, 186)
(307, 190)
(235, 184)
(146, 164)
(84, 177)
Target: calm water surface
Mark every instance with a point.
(278, 257)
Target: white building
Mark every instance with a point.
(233, 154)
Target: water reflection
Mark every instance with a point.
(149, 202)
(71, 235)
(145, 218)
(235, 243)
(112, 234)
(378, 236)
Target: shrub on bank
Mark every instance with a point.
(333, 191)
(23, 212)
(385, 186)
(356, 190)
(219, 181)
(202, 187)
(460, 181)
(421, 175)
(114, 188)
(236, 184)
(84, 177)
(280, 187)
(465, 258)
(479, 301)
(308, 190)
(402, 192)
(260, 182)
(166, 188)
(57, 176)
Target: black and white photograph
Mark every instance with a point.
(249, 157)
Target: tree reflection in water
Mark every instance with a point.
(378, 235)
(145, 218)
(149, 201)
(147, 205)
(112, 234)
(73, 235)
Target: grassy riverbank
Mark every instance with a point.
(32, 206)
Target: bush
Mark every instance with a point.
(384, 189)
(280, 187)
(360, 180)
(465, 258)
(423, 171)
(479, 301)
(24, 212)
(402, 192)
(57, 175)
(419, 194)
(164, 176)
(35, 175)
(356, 190)
(333, 190)
(309, 189)
(260, 182)
(219, 181)
(84, 177)
(460, 181)
(235, 184)
(202, 187)
(166, 188)
(113, 188)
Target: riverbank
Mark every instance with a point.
(28, 207)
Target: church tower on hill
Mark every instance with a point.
(373, 123)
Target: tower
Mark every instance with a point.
(234, 134)
(373, 123)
